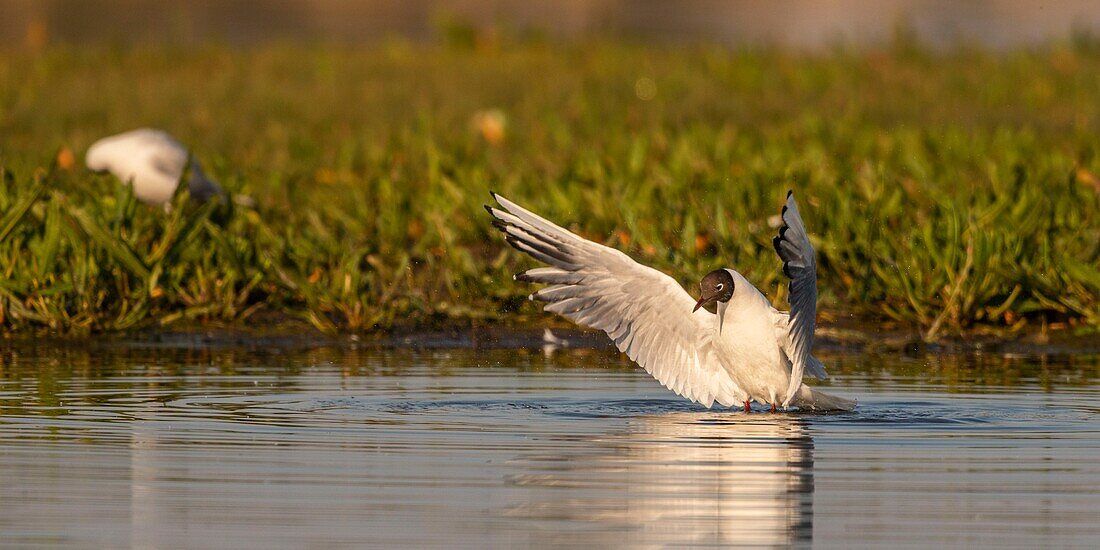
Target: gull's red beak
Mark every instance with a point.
(702, 301)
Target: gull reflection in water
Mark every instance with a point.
(695, 478)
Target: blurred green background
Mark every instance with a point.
(950, 180)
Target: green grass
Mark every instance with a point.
(946, 193)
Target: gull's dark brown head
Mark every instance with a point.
(717, 286)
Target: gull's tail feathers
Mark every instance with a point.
(817, 400)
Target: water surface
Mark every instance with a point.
(247, 447)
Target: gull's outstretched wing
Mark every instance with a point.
(799, 264)
(646, 313)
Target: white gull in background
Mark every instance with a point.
(152, 162)
(748, 352)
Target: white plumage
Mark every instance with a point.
(152, 162)
(749, 351)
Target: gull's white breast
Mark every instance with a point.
(751, 352)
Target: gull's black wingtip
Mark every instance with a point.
(495, 195)
(790, 192)
(489, 209)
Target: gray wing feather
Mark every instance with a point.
(645, 312)
(814, 367)
(800, 265)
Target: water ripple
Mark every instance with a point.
(504, 449)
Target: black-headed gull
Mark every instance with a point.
(748, 352)
(152, 162)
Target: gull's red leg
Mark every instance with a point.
(773, 407)
(747, 407)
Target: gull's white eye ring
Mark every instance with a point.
(720, 286)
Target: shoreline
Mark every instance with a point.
(289, 336)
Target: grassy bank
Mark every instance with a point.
(947, 193)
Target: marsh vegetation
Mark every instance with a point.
(946, 192)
